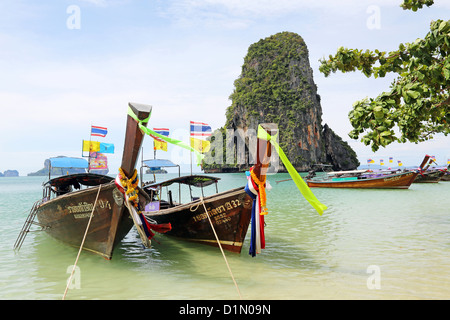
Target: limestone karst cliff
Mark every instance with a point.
(276, 85)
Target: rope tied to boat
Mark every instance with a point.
(218, 241)
(69, 281)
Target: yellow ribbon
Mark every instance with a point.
(262, 192)
(299, 182)
(130, 186)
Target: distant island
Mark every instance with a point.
(10, 173)
(55, 172)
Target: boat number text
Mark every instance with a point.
(220, 213)
(84, 209)
(396, 178)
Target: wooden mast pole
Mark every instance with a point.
(133, 137)
(264, 151)
(133, 141)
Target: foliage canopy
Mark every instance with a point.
(418, 100)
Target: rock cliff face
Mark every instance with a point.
(276, 85)
(338, 153)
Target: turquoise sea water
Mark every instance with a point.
(369, 244)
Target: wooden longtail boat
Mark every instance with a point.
(430, 176)
(396, 181)
(357, 179)
(446, 176)
(64, 213)
(229, 211)
(427, 175)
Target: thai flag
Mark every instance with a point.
(200, 129)
(98, 131)
(161, 131)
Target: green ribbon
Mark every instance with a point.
(160, 136)
(301, 185)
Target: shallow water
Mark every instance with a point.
(369, 244)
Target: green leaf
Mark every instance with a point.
(413, 94)
(378, 112)
(446, 74)
(442, 26)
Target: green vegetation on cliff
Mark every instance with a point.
(272, 79)
(275, 86)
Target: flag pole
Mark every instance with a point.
(89, 152)
(190, 151)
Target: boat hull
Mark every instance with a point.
(66, 218)
(230, 214)
(430, 177)
(397, 181)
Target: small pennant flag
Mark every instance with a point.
(202, 146)
(91, 146)
(200, 129)
(106, 147)
(98, 161)
(399, 163)
(391, 159)
(381, 162)
(98, 131)
(159, 144)
(370, 161)
(161, 131)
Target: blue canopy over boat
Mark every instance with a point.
(67, 162)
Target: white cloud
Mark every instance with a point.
(100, 3)
(249, 10)
(105, 3)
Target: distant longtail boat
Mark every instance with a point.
(362, 179)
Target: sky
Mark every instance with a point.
(67, 65)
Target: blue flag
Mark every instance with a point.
(106, 148)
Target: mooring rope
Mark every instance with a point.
(220, 246)
(82, 243)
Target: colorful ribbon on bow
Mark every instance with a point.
(128, 186)
(299, 182)
(254, 190)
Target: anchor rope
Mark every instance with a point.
(220, 246)
(69, 281)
